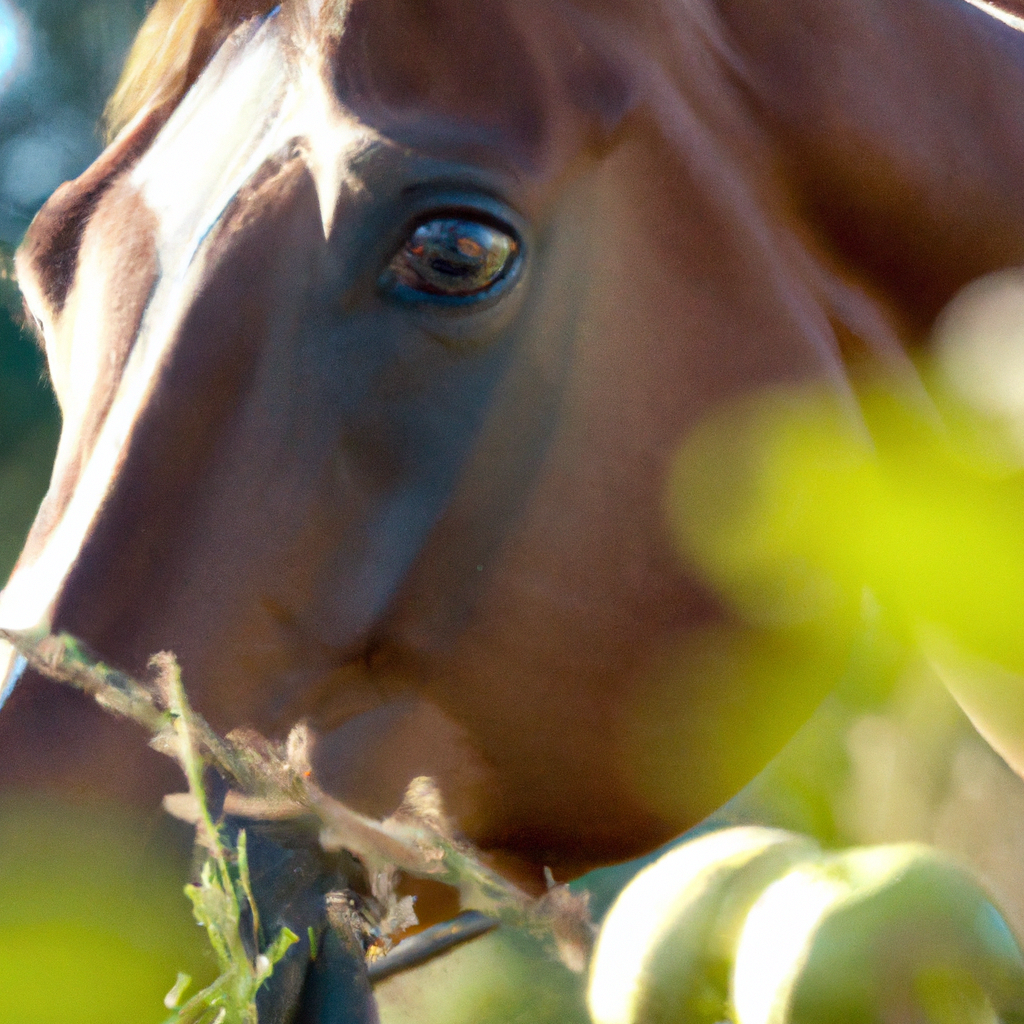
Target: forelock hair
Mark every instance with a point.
(173, 46)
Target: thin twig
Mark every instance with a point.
(275, 782)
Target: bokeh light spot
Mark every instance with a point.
(10, 40)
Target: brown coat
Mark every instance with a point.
(438, 533)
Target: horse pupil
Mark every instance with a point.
(446, 266)
(454, 256)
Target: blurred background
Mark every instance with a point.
(59, 60)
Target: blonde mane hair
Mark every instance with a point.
(172, 47)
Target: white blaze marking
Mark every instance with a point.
(1013, 20)
(246, 107)
(221, 133)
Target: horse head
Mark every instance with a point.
(378, 323)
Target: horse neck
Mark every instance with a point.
(898, 129)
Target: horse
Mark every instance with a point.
(376, 328)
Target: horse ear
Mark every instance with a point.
(899, 126)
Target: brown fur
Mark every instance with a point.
(724, 196)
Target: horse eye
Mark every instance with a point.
(454, 257)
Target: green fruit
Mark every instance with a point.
(666, 946)
(888, 934)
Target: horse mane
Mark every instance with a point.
(172, 47)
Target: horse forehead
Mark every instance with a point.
(454, 74)
(445, 58)
(525, 70)
(255, 105)
(468, 83)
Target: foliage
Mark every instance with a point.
(759, 926)
(217, 900)
(897, 516)
(91, 896)
(275, 782)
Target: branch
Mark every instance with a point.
(273, 781)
